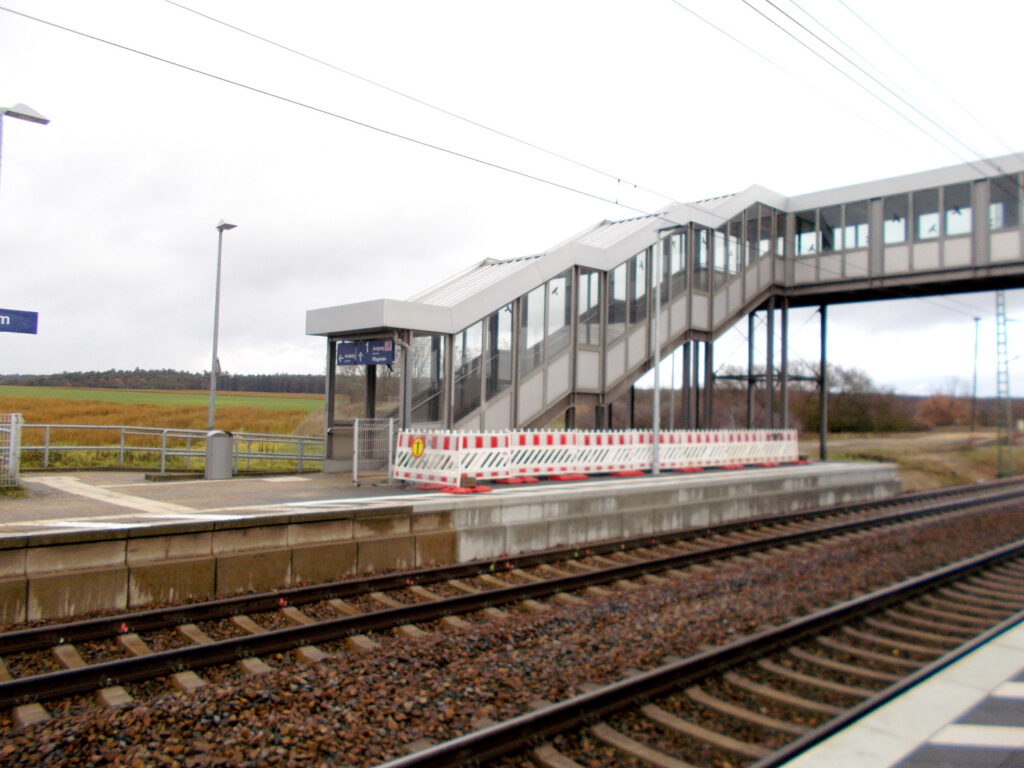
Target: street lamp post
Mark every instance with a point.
(22, 112)
(216, 322)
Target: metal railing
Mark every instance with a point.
(373, 445)
(166, 449)
(10, 438)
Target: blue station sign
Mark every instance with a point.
(18, 321)
(376, 352)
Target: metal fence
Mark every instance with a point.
(167, 449)
(10, 439)
(373, 446)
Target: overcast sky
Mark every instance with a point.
(108, 215)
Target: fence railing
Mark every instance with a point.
(373, 446)
(10, 439)
(47, 445)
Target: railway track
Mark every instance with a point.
(765, 698)
(102, 655)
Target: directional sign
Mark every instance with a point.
(377, 352)
(18, 321)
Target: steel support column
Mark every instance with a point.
(823, 388)
(769, 367)
(750, 371)
(370, 410)
(784, 373)
(709, 383)
(686, 416)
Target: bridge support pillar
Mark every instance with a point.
(769, 366)
(823, 389)
(784, 373)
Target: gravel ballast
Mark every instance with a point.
(359, 709)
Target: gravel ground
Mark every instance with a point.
(360, 709)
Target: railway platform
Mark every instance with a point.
(110, 541)
(969, 715)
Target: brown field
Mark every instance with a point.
(926, 460)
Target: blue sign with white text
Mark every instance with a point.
(18, 321)
(377, 352)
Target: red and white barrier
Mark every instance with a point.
(427, 457)
(485, 456)
(542, 453)
(446, 457)
(599, 452)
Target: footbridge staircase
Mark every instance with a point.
(560, 336)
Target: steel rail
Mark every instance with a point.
(36, 638)
(74, 681)
(533, 727)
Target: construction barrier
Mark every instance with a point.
(485, 455)
(599, 452)
(428, 457)
(534, 454)
(448, 458)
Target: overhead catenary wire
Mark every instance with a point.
(771, 62)
(422, 102)
(295, 102)
(971, 114)
(338, 116)
(866, 89)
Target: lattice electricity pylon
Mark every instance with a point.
(1005, 418)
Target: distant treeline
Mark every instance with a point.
(170, 379)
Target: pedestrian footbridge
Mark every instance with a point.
(559, 336)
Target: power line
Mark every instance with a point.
(418, 100)
(862, 86)
(336, 115)
(774, 63)
(931, 80)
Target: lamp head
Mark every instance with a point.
(225, 225)
(24, 112)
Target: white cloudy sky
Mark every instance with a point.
(108, 214)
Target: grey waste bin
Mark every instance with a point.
(218, 455)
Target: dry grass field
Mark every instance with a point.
(945, 456)
(925, 459)
(236, 412)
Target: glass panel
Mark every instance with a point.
(700, 269)
(956, 200)
(831, 228)
(750, 236)
(719, 257)
(765, 243)
(780, 234)
(589, 308)
(499, 351)
(617, 301)
(666, 258)
(896, 211)
(531, 331)
(1004, 202)
(426, 377)
(467, 351)
(677, 265)
(805, 239)
(926, 214)
(732, 248)
(855, 233)
(559, 312)
(350, 391)
(638, 281)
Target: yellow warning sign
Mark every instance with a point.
(417, 447)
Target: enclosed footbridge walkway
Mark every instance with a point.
(564, 334)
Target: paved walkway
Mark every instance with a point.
(84, 500)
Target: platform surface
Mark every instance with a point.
(57, 502)
(969, 715)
